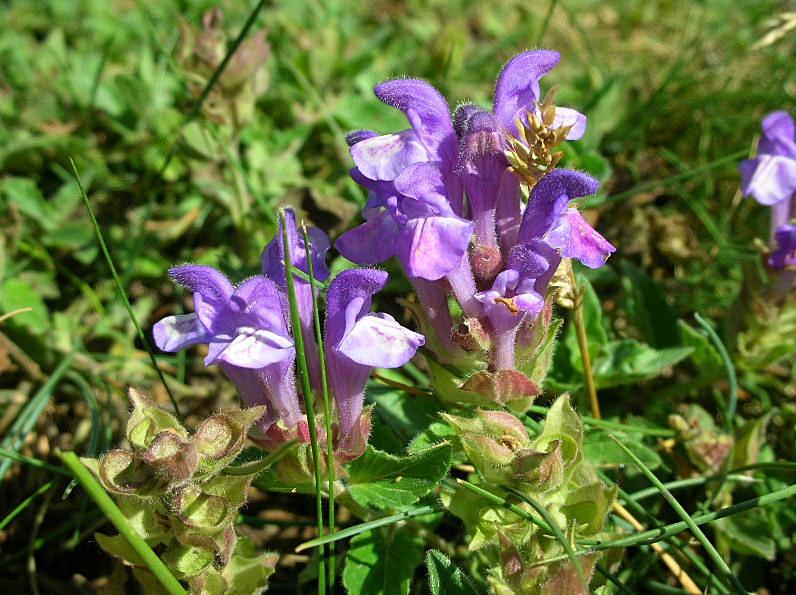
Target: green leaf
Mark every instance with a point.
(704, 355)
(399, 416)
(628, 361)
(601, 451)
(382, 562)
(445, 578)
(647, 307)
(562, 424)
(386, 481)
(248, 569)
(23, 193)
(17, 294)
(749, 533)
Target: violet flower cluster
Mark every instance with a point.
(247, 331)
(771, 179)
(446, 199)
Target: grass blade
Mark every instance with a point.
(120, 288)
(327, 409)
(732, 401)
(362, 527)
(309, 405)
(33, 462)
(25, 503)
(692, 526)
(27, 418)
(107, 506)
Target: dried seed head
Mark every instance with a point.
(530, 153)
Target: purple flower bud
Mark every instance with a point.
(784, 257)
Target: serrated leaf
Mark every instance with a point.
(382, 562)
(445, 578)
(628, 361)
(387, 481)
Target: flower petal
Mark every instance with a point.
(254, 349)
(175, 333)
(518, 83)
(370, 243)
(427, 112)
(768, 178)
(569, 117)
(384, 157)
(378, 340)
(424, 184)
(431, 247)
(577, 239)
(210, 287)
(348, 286)
(549, 198)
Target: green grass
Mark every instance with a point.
(674, 93)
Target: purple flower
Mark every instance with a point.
(357, 340)
(416, 224)
(430, 139)
(771, 176)
(517, 92)
(247, 334)
(273, 267)
(548, 218)
(784, 256)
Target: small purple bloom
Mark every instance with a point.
(417, 225)
(548, 218)
(771, 176)
(357, 340)
(784, 256)
(517, 91)
(247, 334)
(431, 138)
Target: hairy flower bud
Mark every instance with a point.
(471, 336)
(487, 262)
(503, 387)
(171, 457)
(122, 473)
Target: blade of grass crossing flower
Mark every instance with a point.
(29, 415)
(115, 516)
(559, 535)
(692, 526)
(362, 527)
(121, 289)
(327, 409)
(304, 376)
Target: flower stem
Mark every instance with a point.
(304, 375)
(583, 344)
(327, 409)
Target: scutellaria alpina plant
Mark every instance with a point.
(479, 216)
(770, 312)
